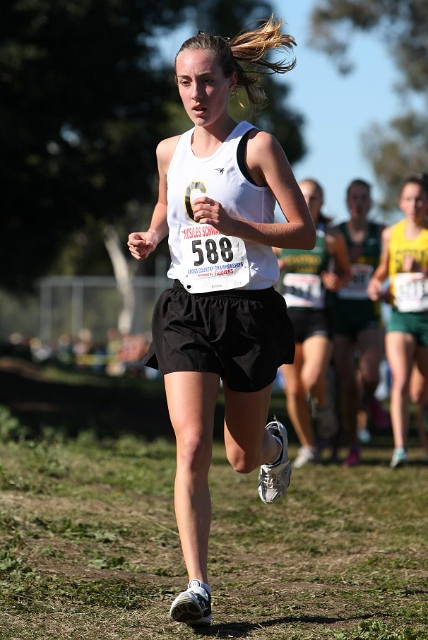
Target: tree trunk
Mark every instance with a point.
(124, 272)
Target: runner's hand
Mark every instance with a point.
(141, 244)
(209, 211)
(331, 281)
(374, 289)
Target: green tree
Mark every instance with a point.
(86, 97)
(399, 148)
(80, 106)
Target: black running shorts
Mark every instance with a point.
(311, 322)
(244, 336)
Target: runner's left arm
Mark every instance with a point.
(266, 159)
(374, 288)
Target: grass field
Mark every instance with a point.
(89, 547)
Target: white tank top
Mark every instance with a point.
(201, 258)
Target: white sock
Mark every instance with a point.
(203, 584)
(278, 458)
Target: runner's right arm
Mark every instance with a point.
(142, 243)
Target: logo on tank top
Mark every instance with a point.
(195, 190)
(220, 170)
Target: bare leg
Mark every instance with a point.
(317, 352)
(370, 342)
(248, 443)
(307, 376)
(400, 351)
(191, 398)
(349, 394)
(419, 392)
(297, 405)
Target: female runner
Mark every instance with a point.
(222, 319)
(358, 333)
(405, 260)
(307, 281)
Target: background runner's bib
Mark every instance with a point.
(356, 289)
(212, 261)
(411, 292)
(304, 290)
(302, 286)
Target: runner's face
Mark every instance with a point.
(313, 198)
(414, 202)
(358, 201)
(203, 88)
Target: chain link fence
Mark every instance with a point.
(65, 305)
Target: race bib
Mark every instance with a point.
(303, 290)
(356, 289)
(411, 292)
(212, 261)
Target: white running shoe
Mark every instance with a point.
(305, 455)
(193, 607)
(399, 458)
(275, 478)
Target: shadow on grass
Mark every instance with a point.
(242, 629)
(373, 462)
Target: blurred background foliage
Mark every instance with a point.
(86, 97)
(400, 147)
(87, 93)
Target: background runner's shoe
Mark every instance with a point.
(193, 607)
(326, 422)
(275, 478)
(399, 458)
(353, 457)
(305, 455)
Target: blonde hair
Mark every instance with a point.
(246, 54)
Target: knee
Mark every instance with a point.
(242, 461)
(312, 379)
(370, 378)
(193, 454)
(417, 395)
(296, 394)
(400, 386)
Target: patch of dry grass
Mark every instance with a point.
(89, 547)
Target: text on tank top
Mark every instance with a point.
(301, 284)
(409, 290)
(202, 258)
(364, 259)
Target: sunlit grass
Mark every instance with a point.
(90, 549)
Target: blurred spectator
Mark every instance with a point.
(83, 347)
(64, 350)
(131, 353)
(114, 367)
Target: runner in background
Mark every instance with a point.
(405, 260)
(358, 334)
(222, 319)
(307, 280)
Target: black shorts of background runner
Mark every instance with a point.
(311, 322)
(242, 335)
